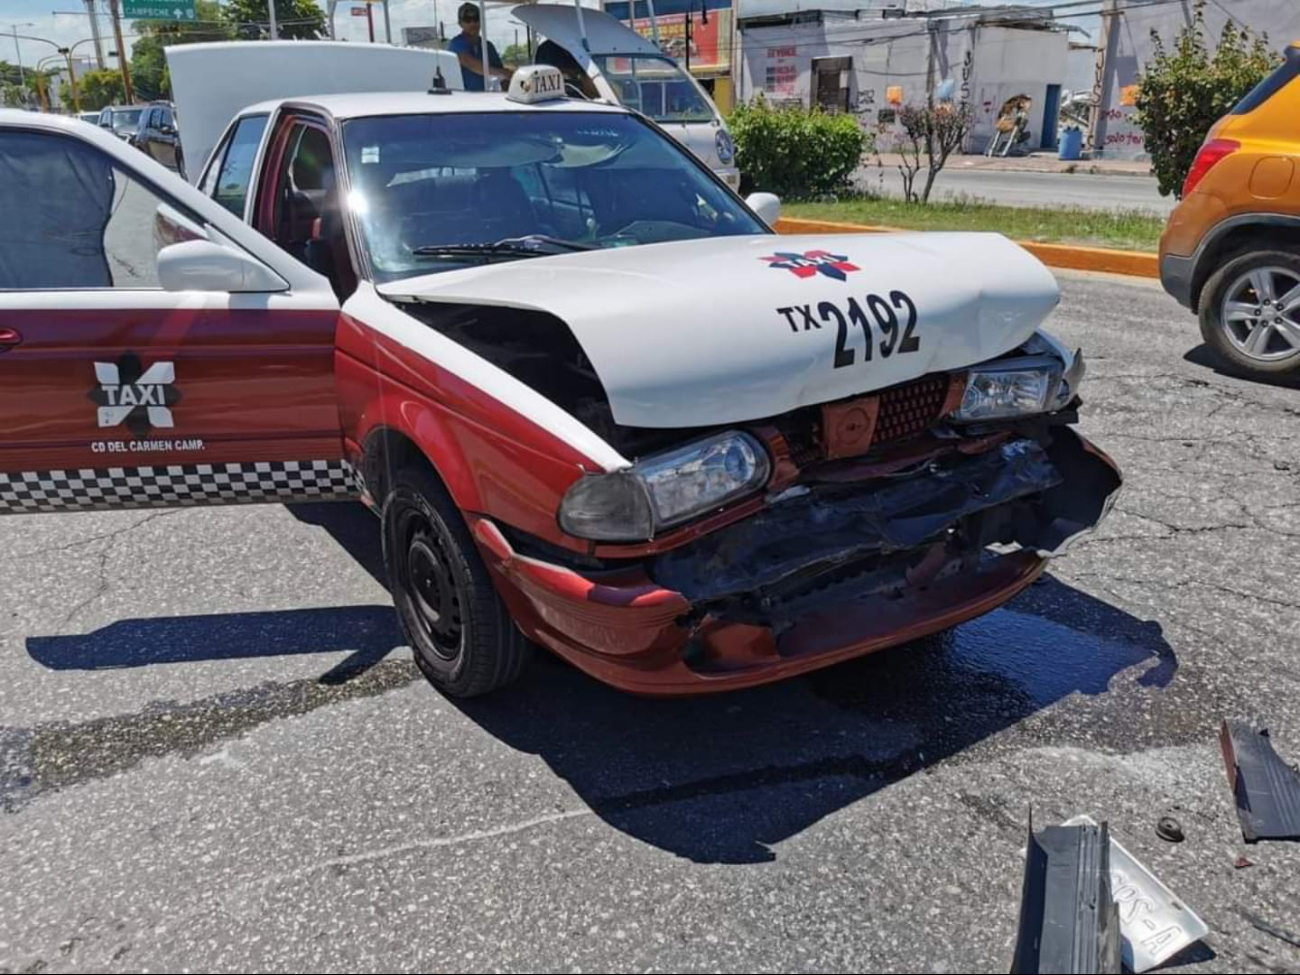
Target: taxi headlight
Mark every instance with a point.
(726, 148)
(1011, 388)
(664, 490)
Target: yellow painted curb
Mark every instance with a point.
(1141, 264)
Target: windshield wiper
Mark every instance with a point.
(533, 245)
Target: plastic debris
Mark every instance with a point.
(1267, 789)
(1069, 922)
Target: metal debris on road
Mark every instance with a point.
(1069, 922)
(1155, 925)
(1170, 830)
(1266, 788)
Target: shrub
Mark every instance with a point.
(1183, 91)
(796, 152)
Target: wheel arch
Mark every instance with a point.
(1240, 235)
(387, 449)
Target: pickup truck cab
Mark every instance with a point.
(597, 405)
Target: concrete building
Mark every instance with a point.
(871, 60)
(1125, 45)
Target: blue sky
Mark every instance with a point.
(65, 21)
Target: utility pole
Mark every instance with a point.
(388, 24)
(72, 77)
(370, 20)
(22, 79)
(95, 34)
(1108, 39)
(270, 8)
(127, 91)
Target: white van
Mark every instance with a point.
(625, 68)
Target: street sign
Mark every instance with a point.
(159, 10)
(360, 11)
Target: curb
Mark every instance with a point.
(1139, 264)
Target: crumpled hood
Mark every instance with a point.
(730, 329)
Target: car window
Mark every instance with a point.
(655, 86)
(419, 184)
(235, 171)
(74, 218)
(126, 120)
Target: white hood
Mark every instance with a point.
(211, 83)
(725, 330)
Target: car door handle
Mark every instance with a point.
(9, 337)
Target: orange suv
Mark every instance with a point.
(1231, 251)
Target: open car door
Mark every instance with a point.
(154, 350)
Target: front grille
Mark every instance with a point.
(909, 409)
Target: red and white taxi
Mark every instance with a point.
(597, 404)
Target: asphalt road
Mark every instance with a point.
(1098, 192)
(215, 757)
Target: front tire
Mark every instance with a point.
(464, 640)
(1250, 314)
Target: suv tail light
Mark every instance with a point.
(1206, 158)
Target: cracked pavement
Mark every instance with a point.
(215, 755)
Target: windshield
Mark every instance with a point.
(126, 120)
(422, 186)
(655, 86)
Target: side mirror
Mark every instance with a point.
(200, 265)
(766, 205)
(166, 129)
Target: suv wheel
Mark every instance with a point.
(1250, 313)
(464, 640)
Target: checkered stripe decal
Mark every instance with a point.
(190, 484)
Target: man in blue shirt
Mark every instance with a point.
(468, 46)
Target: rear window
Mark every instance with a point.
(1271, 85)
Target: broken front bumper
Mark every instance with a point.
(819, 578)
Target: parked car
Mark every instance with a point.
(91, 117)
(156, 135)
(121, 120)
(1231, 250)
(598, 406)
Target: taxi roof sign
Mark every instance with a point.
(536, 83)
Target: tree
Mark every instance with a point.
(149, 72)
(1185, 90)
(515, 55)
(11, 96)
(935, 130)
(11, 75)
(95, 89)
(295, 19)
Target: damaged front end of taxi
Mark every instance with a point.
(770, 549)
(733, 552)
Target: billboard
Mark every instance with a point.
(710, 43)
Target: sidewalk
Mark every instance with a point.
(1043, 162)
